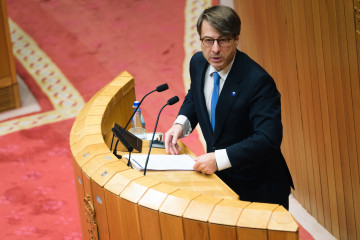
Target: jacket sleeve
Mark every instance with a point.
(188, 108)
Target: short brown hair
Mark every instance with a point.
(224, 19)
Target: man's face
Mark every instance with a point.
(217, 56)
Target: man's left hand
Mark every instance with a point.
(206, 163)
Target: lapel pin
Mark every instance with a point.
(233, 93)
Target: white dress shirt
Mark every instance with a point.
(222, 159)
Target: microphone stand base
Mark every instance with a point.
(157, 144)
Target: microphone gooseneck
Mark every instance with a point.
(114, 152)
(171, 101)
(160, 88)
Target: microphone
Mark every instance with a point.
(160, 88)
(171, 101)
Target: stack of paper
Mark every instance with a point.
(162, 162)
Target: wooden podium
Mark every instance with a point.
(9, 91)
(117, 202)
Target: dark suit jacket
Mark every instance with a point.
(248, 125)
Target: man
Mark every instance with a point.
(237, 105)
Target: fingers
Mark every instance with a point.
(199, 167)
(206, 163)
(168, 139)
(171, 138)
(169, 143)
(175, 148)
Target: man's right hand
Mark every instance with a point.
(171, 138)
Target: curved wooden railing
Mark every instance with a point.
(117, 202)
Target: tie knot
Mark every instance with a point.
(216, 77)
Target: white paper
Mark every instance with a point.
(162, 162)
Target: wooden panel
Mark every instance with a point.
(282, 225)
(98, 180)
(317, 142)
(100, 210)
(87, 141)
(177, 202)
(5, 81)
(113, 216)
(89, 152)
(227, 212)
(280, 17)
(130, 219)
(130, 196)
(97, 162)
(104, 173)
(253, 221)
(279, 235)
(8, 97)
(137, 188)
(89, 197)
(120, 180)
(201, 207)
(156, 195)
(346, 124)
(352, 109)
(114, 187)
(323, 126)
(250, 234)
(5, 70)
(217, 231)
(9, 91)
(80, 195)
(256, 215)
(148, 212)
(331, 73)
(150, 223)
(195, 230)
(313, 52)
(171, 227)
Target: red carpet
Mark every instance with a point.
(91, 42)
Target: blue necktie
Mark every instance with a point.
(214, 98)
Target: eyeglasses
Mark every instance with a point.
(222, 42)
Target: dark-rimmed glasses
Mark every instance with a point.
(208, 42)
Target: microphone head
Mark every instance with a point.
(173, 100)
(162, 88)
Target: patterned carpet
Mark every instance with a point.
(65, 52)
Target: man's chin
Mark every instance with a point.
(217, 66)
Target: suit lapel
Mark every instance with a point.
(228, 95)
(200, 78)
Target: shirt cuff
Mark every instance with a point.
(184, 121)
(222, 159)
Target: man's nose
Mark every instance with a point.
(215, 47)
